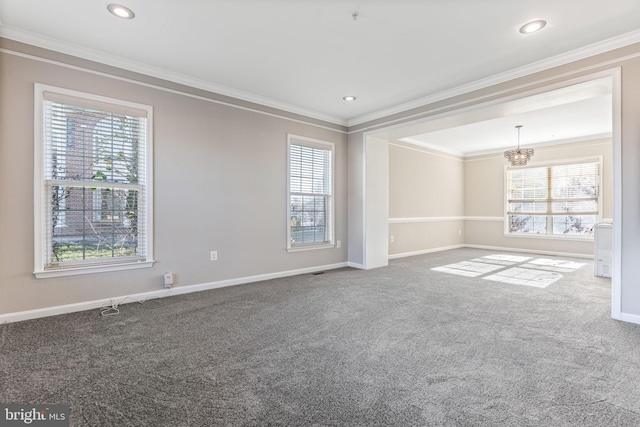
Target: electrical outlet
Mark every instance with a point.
(213, 255)
(391, 238)
(338, 244)
(168, 280)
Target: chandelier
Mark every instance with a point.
(519, 156)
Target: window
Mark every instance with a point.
(310, 200)
(93, 192)
(557, 200)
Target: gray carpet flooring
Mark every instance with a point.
(397, 346)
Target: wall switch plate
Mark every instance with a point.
(213, 256)
(338, 244)
(168, 280)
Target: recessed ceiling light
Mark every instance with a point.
(349, 98)
(533, 26)
(121, 11)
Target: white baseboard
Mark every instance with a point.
(530, 251)
(356, 265)
(631, 318)
(425, 251)
(491, 248)
(126, 299)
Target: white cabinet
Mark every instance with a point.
(603, 254)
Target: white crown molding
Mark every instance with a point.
(126, 64)
(465, 155)
(584, 138)
(535, 67)
(138, 67)
(438, 148)
(431, 151)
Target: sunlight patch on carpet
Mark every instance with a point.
(547, 268)
(558, 263)
(525, 276)
(503, 257)
(516, 269)
(468, 268)
(558, 266)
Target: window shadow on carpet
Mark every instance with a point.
(513, 269)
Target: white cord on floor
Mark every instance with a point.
(111, 308)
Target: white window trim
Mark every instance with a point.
(40, 209)
(508, 233)
(303, 140)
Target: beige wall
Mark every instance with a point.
(484, 197)
(437, 200)
(196, 209)
(623, 62)
(219, 184)
(424, 182)
(426, 199)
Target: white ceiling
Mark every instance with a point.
(305, 55)
(569, 114)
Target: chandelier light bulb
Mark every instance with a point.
(519, 156)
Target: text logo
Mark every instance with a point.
(34, 415)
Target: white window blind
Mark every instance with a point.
(310, 193)
(94, 187)
(559, 199)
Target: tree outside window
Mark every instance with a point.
(94, 181)
(554, 200)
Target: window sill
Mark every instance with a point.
(75, 271)
(579, 238)
(311, 247)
